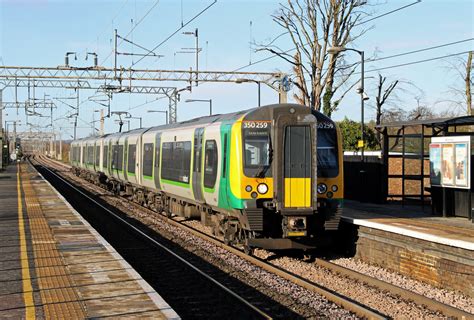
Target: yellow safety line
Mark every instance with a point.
(25, 268)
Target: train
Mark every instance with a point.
(270, 177)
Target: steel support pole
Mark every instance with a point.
(362, 104)
(101, 122)
(210, 107)
(197, 57)
(259, 102)
(2, 136)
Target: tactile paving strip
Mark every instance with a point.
(59, 298)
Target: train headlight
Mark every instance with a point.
(329, 194)
(334, 188)
(248, 188)
(262, 188)
(322, 188)
(254, 195)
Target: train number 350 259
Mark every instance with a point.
(256, 124)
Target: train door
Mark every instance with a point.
(297, 166)
(125, 159)
(157, 173)
(197, 165)
(294, 163)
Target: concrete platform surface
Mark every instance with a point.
(411, 222)
(53, 264)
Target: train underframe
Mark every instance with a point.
(258, 226)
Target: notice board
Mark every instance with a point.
(450, 162)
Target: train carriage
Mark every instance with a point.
(251, 175)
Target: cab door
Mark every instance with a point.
(294, 161)
(297, 166)
(197, 165)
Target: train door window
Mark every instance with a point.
(132, 157)
(210, 164)
(148, 159)
(97, 156)
(105, 158)
(119, 164)
(157, 151)
(224, 162)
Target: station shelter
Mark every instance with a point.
(428, 162)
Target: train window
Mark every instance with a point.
(328, 165)
(176, 161)
(210, 164)
(297, 150)
(257, 150)
(148, 159)
(105, 158)
(119, 164)
(97, 156)
(90, 155)
(132, 157)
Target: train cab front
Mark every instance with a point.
(279, 164)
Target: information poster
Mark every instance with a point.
(450, 161)
(435, 164)
(447, 165)
(461, 157)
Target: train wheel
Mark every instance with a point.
(248, 250)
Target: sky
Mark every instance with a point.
(38, 33)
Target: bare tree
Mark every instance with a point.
(468, 82)
(460, 97)
(313, 26)
(381, 98)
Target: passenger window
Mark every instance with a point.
(105, 158)
(210, 164)
(148, 159)
(132, 157)
(97, 156)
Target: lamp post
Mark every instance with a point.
(360, 90)
(242, 80)
(159, 111)
(140, 118)
(202, 100)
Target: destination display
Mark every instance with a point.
(450, 161)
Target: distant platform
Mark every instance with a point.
(53, 264)
(433, 249)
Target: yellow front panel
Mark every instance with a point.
(297, 192)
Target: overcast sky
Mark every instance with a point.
(39, 33)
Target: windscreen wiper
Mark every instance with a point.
(264, 169)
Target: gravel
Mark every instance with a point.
(306, 303)
(452, 298)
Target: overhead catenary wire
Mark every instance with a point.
(134, 27)
(362, 22)
(411, 52)
(175, 32)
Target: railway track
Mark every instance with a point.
(346, 303)
(190, 288)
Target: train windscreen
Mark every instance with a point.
(257, 151)
(328, 165)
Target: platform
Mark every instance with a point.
(53, 264)
(433, 249)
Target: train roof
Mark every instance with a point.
(202, 121)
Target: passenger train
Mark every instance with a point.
(269, 177)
